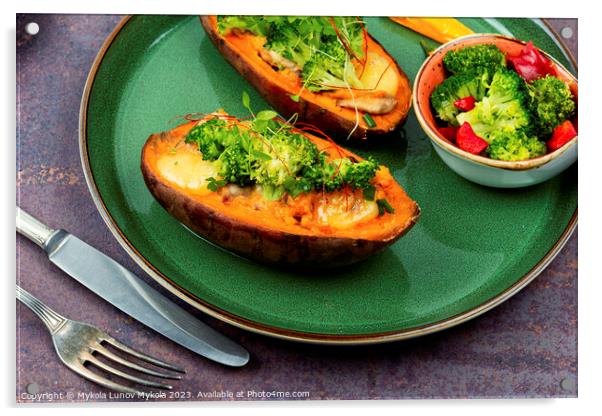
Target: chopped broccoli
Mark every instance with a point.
(552, 103)
(455, 88)
(288, 154)
(505, 107)
(311, 42)
(235, 164)
(324, 176)
(216, 142)
(275, 157)
(359, 175)
(331, 176)
(514, 145)
(294, 40)
(211, 138)
(479, 58)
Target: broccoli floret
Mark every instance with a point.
(360, 175)
(333, 175)
(480, 58)
(235, 165)
(287, 156)
(552, 103)
(505, 107)
(455, 88)
(326, 176)
(514, 145)
(210, 137)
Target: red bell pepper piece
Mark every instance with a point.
(563, 133)
(465, 104)
(467, 140)
(449, 132)
(531, 64)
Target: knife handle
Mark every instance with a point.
(33, 229)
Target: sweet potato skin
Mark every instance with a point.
(254, 241)
(330, 121)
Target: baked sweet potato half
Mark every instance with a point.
(333, 208)
(347, 84)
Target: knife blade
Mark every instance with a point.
(126, 291)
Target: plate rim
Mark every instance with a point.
(274, 331)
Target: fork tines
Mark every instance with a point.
(101, 350)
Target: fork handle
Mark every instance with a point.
(53, 320)
(33, 229)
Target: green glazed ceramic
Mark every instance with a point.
(473, 247)
(476, 168)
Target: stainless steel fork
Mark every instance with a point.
(77, 344)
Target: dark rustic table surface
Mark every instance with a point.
(527, 347)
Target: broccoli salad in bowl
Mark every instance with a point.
(505, 107)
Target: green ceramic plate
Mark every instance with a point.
(473, 247)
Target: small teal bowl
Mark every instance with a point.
(476, 168)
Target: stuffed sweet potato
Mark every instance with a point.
(272, 192)
(329, 71)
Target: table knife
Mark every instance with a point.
(126, 291)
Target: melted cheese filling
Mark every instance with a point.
(186, 168)
(379, 75)
(343, 212)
